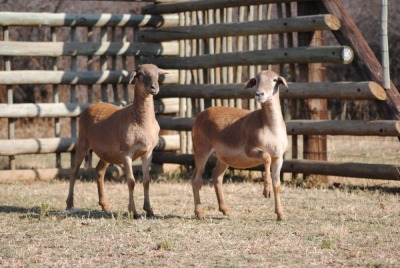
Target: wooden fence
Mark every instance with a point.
(209, 48)
(115, 52)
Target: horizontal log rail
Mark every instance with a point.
(50, 110)
(62, 145)
(344, 127)
(340, 91)
(275, 26)
(74, 78)
(346, 169)
(113, 172)
(86, 20)
(354, 170)
(328, 54)
(309, 127)
(199, 5)
(54, 49)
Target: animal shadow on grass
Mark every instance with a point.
(43, 211)
(37, 212)
(371, 188)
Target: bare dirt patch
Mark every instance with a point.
(324, 228)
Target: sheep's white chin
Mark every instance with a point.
(264, 99)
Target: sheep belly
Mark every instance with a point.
(235, 157)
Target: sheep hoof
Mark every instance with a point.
(281, 217)
(200, 215)
(226, 211)
(72, 211)
(105, 206)
(137, 216)
(267, 193)
(107, 210)
(150, 215)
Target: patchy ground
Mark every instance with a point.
(324, 228)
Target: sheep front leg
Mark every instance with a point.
(130, 179)
(276, 169)
(267, 179)
(266, 158)
(146, 161)
(100, 172)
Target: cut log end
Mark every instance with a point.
(397, 126)
(332, 22)
(347, 55)
(378, 91)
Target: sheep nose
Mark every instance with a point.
(259, 94)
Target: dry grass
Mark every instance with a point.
(325, 228)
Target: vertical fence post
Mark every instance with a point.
(239, 45)
(10, 99)
(90, 94)
(385, 45)
(182, 80)
(293, 104)
(73, 95)
(103, 64)
(314, 146)
(114, 65)
(56, 98)
(124, 66)
(217, 70)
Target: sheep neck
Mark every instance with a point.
(142, 108)
(272, 115)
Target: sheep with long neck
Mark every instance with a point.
(242, 139)
(121, 135)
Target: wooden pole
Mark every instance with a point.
(62, 145)
(10, 99)
(74, 122)
(314, 146)
(355, 170)
(56, 98)
(382, 128)
(166, 8)
(228, 28)
(385, 45)
(327, 90)
(326, 54)
(85, 20)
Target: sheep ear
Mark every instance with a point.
(282, 80)
(161, 71)
(251, 83)
(132, 78)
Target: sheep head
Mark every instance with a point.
(147, 76)
(267, 85)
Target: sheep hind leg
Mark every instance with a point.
(100, 172)
(197, 182)
(81, 152)
(217, 178)
(146, 161)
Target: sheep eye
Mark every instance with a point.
(275, 80)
